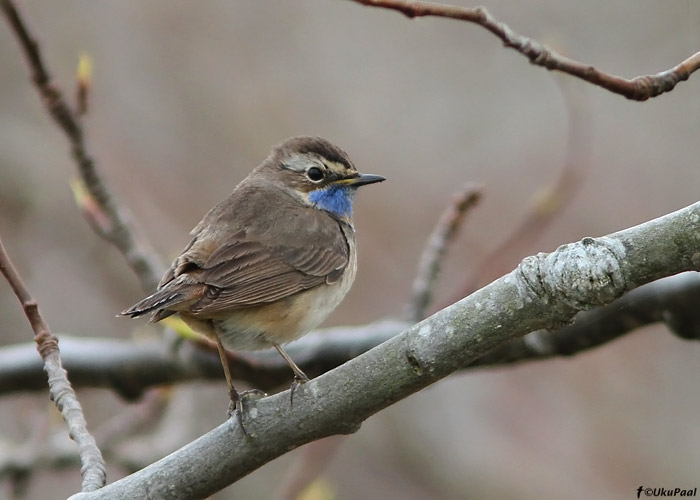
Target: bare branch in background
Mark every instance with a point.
(134, 419)
(60, 390)
(130, 368)
(109, 218)
(435, 248)
(547, 204)
(639, 88)
(672, 301)
(46, 450)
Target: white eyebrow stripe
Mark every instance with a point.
(297, 162)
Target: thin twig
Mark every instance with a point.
(115, 230)
(60, 390)
(434, 251)
(639, 88)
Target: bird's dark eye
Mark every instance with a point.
(314, 174)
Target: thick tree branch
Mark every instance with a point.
(543, 292)
(639, 88)
(99, 206)
(60, 390)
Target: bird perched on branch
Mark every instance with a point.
(272, 260)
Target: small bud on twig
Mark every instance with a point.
(84, 81)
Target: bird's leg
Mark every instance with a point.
(234, 397)
(299, 376)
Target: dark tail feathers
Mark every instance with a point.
(156, 303)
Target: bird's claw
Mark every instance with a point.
(298, 380)
(236, 404)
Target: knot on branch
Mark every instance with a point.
(577, 276)
(644, 87)
(46, 343)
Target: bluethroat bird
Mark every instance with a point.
(272, 260)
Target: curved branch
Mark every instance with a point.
(543, 291)
(639, 88)
(62, 394)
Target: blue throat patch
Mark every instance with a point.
(334, 199)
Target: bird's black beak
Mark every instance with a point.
(363, 179)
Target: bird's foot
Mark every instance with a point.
(298, 380)
(237, 404)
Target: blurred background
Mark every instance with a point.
(188, 97)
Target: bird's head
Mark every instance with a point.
(319, 173)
